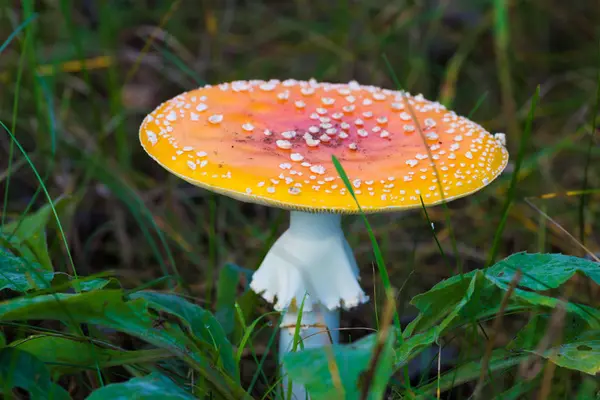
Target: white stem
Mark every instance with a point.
(319, 327)
(311, 258)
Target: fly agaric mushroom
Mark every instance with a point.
(271, 143)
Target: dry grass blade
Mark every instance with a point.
(436, 173)
(563, 230)
(334, 371)
(382, 337)
(174, 6)
(531, 366)
(555, 329)
(496, 325)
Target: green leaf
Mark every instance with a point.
(582, 355)
(476, 285)
(21, 369)
(480, 295)
(412, 346)
(437, 302)
(447, 303)
(588, 389)
(446, 300)
(150, 387)
(226, 294)
(202, 324)
(501, 360)
(526, 298)
(543, 271)
(518, 390)
(21, 275)
(315, 369)
(579, 347)
(86, 284)
(538, 327)
(28, 235)
(108, 308)
(65, 356)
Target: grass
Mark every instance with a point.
(78, 77)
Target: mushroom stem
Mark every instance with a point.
(310, 262)
(319, 327)
(312, 257)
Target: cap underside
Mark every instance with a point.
(272, 142)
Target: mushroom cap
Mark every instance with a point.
(271, 142)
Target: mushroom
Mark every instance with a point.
(272, 142)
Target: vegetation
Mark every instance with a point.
(118, 280)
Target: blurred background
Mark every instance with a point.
(78, 76)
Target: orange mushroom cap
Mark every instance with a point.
(271, 142)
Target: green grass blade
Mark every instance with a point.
(18, 30)
(15, 108)
(435, 169)
(247, 332)
(437, 242)
(478, 104)
(588, 156)
(502, 42)
(259, 370)
(48, 198)
(510, 196)
(385, 278)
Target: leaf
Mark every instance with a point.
(202, 323)
(313, 369)
(20, 275)
(464, 310)
(413, 345)
(523, 297)
(86, 284)
(446, 294)
(65, 356)
(21, 369)
(501, 360)
(543, 271)
(108, 308)
(443, 299)
(23, 275)
(587, 389)
(28, 235)
(226, 294)
(538, 327)
(150, 387)
(476, 285)
(581, 355)
(448, 304)
(518, 390)
(579, 347)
